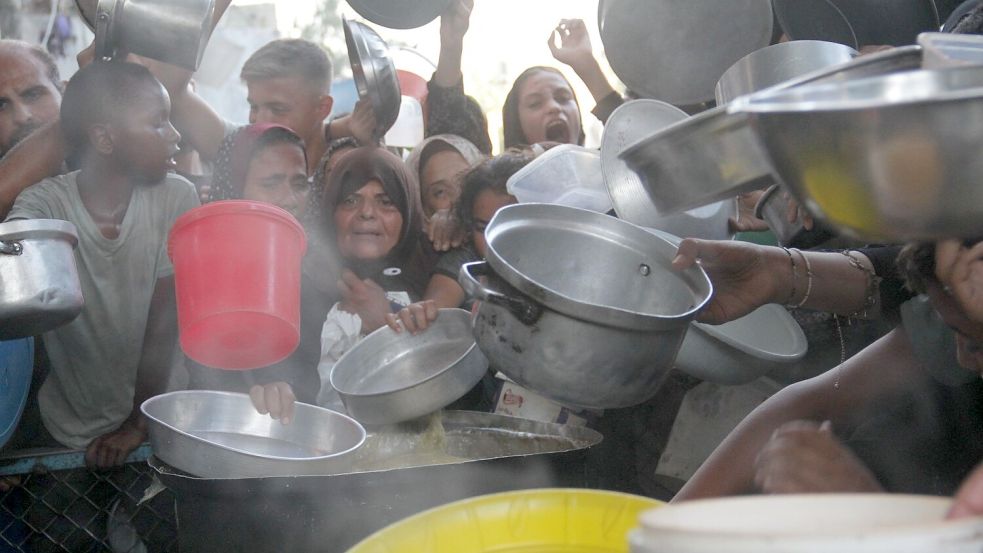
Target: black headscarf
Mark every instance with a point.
(406, 266)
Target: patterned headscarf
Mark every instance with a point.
(232, 163)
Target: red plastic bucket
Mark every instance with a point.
(237, 270)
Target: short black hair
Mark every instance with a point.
(96, 94)
(491, 174)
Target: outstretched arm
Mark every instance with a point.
(37, 157)
(575, 51)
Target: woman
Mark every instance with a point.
(267, 163)
(371, 213)
(438, 163)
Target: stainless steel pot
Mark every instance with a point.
(39, 283)
(405, 14)
(221, 435)
(675, 50)
(173, 31)
(715, 155)
(581, 307)
(778, 63)
(886, 158)
(374, 73)
(391, 377)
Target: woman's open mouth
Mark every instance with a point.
(558, 131)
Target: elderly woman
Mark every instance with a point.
(371, 213)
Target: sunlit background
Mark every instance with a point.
(505, 37)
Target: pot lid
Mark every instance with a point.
(373, 72)
(814, 20)
(593, 267)
(628, 124)
(857, 23)
(675, 50)
(402, 14)
(39, 229)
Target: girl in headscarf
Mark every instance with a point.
(371, 213)
(439, 162)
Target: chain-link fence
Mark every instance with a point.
(55, 504)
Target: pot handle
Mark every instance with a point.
(527, 312)
(11, 248)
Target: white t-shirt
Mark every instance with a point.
(94, 359)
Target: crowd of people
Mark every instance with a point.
(387, 236)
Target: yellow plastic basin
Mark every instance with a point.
(530, 521)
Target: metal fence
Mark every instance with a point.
(57, 505)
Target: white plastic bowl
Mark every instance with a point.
(567, 175)
(854, 523)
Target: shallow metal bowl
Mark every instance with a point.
(885, 158)
(391, 377)
(221, 435)
(374, 73)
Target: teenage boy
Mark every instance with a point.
(116, 118)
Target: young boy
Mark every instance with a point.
(116, 118)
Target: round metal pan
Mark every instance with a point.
(401, 14)
(374, 73)
(675, 50)
(857, 23)
(814, 20)
(632, 201)
(390, 377)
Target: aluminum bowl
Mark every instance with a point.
(778, 63)
(221, 435)
(374, 73)
(391, 377)
(886, 158)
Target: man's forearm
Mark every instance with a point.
(40, 155)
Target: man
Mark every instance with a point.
(30, 96)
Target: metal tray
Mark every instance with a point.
(321, 513)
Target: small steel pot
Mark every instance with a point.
(173, 31)
(391, 377)
(39, 283)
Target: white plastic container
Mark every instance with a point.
(567, 175)
(407, 131)
(854, 523)
(941, 50)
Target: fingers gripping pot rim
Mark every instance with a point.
(581, 307)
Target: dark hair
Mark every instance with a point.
(292, 57)
(41, 55)
(971, 23)
(916, 263)
(491, 174)
(96, 94)
(510, 110)
(275, 136)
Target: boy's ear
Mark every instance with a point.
(324, 106)
(101, 139)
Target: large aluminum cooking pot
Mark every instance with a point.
(173, 31)
(581, 307)
(675, 50)
(857, 23)
(778, 63)
(404, 14)
(886, 158)
(39, 283)
(714, 155)
(391, 377)
(374, 73)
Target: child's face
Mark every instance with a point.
(548, 110)
(291, 102)
(440, 180)
(278, 175)
(144, 141)
(486, 203)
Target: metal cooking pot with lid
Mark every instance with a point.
(173, 31)
(579, 306)
(39, 283)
